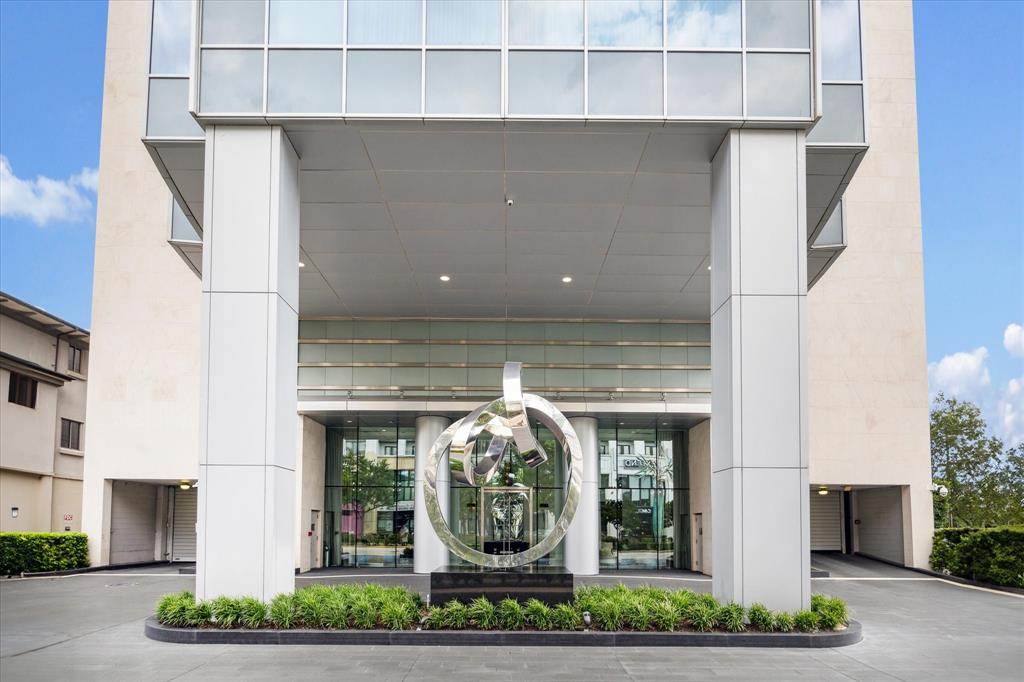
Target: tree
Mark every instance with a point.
(375, 476)
(986, 484)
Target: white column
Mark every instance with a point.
(429, 553)
(759, 477)
(582, 538)
(247, 452)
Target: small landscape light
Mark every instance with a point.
(586, 618)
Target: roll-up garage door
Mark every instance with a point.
(826, 521)
(183, 532)
(132, 522)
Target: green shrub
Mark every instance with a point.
(396, 615)
(566, 617)
(483, 614)
(606, 614)
(252, 612)
(311, 605)
(701, 617)
(990, 555)
(227, 611)
(511, 615)
(832, 611)
(180, 610)
(36, 552)
(455, 615)
(731, 617)
(664, 616)
(282, 611)
(363, 612)
(708, 600)
(784, 622)
(434, 620)
(761, 617)
(681, 599)
(538, 614)
(805, 620)
(636, 612)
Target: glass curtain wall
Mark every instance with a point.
(644, 493)
(370, 481)
(472, 508)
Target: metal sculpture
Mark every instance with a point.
(507, 420)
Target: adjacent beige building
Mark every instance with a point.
(44, 362)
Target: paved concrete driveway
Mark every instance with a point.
(89, 627)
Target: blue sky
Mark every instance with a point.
(970, 107)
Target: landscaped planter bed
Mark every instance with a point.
(598, 616)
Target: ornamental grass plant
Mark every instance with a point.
(612, 609)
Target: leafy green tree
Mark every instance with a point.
(375, 477)
(985, 483)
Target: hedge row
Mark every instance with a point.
(989, 555)
(33, 552)
(373, 606)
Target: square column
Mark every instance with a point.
(759, 482)
(247, 451)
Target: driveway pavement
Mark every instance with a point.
(89, 627)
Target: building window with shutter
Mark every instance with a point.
(22, 390)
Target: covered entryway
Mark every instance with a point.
(132, 522)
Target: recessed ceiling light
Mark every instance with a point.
(709, 267)
(446, 278)
(566, 279)
(301, 264)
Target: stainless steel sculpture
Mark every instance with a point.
(507, 420)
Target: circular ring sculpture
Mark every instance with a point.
(507, 420)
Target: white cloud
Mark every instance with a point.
(1011, 411)
(45, 200)
(963, 375)
(1013, 340)
(966, 376)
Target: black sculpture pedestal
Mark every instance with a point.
(550, 584)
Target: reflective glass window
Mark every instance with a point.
(705, 84)
(545, 22)
(386, 82)
(306, 22)
(625, 83)
(545, 83)
(233, 22)
(168, 109)
(181, 228)
(231, 81)
(703, 23)
(463, 82)
(385, 22)
(172, 30)
(778, 23)
(304, 81)
(840, 40)
(463, 22)
(624, 23)
(842, 115)
(832, 232)
(778, 85)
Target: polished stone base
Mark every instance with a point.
(549, 584)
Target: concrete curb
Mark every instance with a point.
(802, 640)
(91, 569)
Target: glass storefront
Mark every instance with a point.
(370, 495)
(371, 482)
(644, 491)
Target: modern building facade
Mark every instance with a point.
(696, 223)
(44, 362)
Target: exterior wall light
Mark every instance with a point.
(823, 490)
(445, 278)
(185, 485)
(301, 264)
(14, 512)
(567, 279)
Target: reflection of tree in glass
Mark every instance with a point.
(374, 478)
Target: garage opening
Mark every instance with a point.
(132, 522)
(183, 524)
